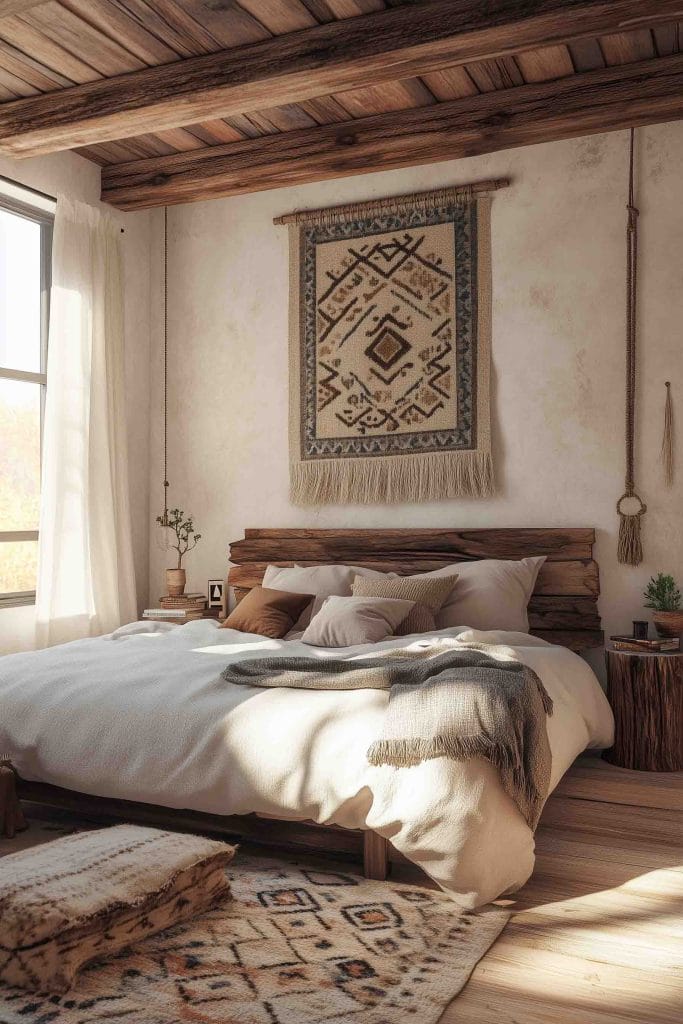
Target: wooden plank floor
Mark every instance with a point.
(598, 936)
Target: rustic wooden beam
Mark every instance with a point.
(348, 545)
(8, 7)
(576, 578)
(383, 46)
(598, 101)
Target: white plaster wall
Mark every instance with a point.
(70, 175)
(558, 356)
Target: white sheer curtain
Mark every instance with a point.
(86, 579)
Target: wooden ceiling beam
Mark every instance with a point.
(387, 45)
(8, 7)
(597, 101)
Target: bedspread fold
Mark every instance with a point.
(454, 700)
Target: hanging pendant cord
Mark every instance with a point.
(165, 365)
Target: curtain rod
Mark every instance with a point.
(34, 191)
(471, 188)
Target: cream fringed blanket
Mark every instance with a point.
(90, 895)
(459, 703)
(390, 330)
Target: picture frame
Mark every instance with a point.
(214, 593)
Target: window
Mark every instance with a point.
(25, 257)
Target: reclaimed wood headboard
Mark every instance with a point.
(563, 608)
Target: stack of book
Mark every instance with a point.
(178, 609)
(631, 643)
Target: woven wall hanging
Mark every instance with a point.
(389, 349)
(630, 548)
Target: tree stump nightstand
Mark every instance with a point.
(646, 694)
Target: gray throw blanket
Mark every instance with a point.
(458, 703)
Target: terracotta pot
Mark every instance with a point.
(175, 582)
(668, 623)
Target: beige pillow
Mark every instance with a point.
(428, 595)
(320, 580)
(267, 612)
(73, 900)
(347, 621)
(489, 594)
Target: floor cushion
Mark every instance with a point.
(91, 894)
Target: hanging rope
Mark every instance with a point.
(165, 366)
(668, 437)
(630, 549)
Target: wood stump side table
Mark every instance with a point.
(645, 692)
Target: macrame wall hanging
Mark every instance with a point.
(630, 548)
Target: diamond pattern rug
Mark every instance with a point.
(298, 944)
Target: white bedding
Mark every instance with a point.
(144, 715)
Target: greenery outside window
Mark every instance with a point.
(25, 265)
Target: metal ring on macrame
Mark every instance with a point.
(641, 511)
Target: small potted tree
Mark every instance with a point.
(185, 540)
(664, 597)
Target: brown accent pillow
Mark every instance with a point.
(267, 612)
(428, 598)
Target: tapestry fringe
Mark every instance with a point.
(428, 477)
(454, 194)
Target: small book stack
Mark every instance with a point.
(631, 643)
(178, 609)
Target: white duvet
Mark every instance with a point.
(144, 715)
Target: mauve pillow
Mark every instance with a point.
(267, 612)
(347, 621)
(429, 596)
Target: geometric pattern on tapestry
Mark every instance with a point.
(390, 349)
(385, 371)
(386, 307)
(296, 945)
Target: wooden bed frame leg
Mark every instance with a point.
(12, 818)
(375, 856)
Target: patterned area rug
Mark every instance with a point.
(299, 944)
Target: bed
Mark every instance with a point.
(138, 725)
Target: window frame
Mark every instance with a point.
(46, 221)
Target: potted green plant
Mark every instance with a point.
(664, 597)
(185, 540)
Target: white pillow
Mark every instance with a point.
(321, 580)
(347, 621)
(489, 594)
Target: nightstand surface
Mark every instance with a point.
(645, 690)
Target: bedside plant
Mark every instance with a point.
(185, 540)
(664, 597)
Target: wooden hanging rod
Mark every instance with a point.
(473, 188)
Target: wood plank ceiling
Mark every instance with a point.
(51, 46)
